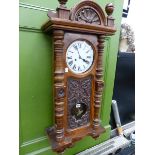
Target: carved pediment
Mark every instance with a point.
(88, 15)
(88, 12)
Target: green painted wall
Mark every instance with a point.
(36, 82)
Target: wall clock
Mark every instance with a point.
(78, 37)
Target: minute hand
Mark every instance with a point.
(79, 54)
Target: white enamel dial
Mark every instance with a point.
(79, 56)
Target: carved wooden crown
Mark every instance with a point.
(88, 12)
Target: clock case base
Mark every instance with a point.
(69, 140)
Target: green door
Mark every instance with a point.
(36, 82)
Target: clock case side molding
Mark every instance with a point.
(85, 18)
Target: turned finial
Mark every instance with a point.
(62, 3)
(109, 9)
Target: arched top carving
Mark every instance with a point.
(88, 12)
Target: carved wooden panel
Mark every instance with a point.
(88, 12)
(79, 101)
(88, 15)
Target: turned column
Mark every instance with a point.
(98, 83)
(59, 88)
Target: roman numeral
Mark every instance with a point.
(79, 45)
(79, 69)
(75, 46)
(74, 67)
(70, 63)
(89, 57)
(69, 57)
(87, 62)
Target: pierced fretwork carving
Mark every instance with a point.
(79, 100)
(88, 15)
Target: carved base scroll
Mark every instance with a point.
(69, 140)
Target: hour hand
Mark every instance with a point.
(86, 61)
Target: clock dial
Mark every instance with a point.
(79, 56)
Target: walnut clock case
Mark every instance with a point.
(78, 38)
